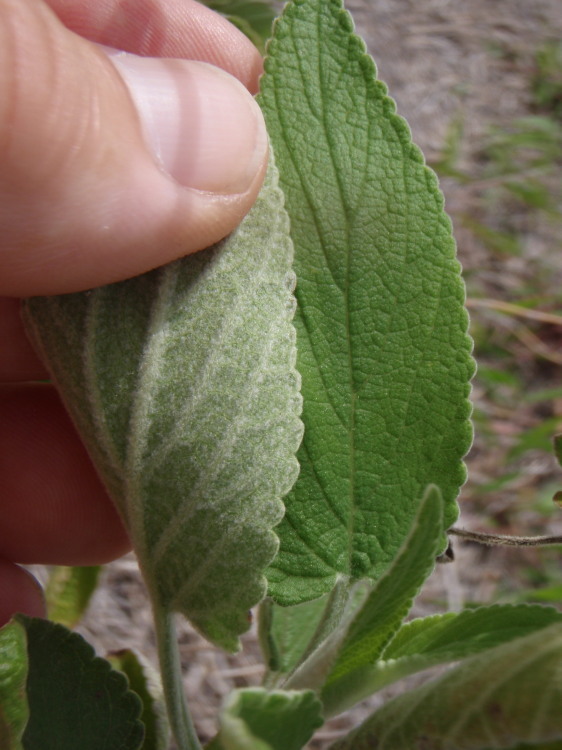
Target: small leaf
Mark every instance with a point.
(75, 699)
(386, 606)
(382, 336)
(182, 383)
(428, 641)
(14, 709)
(68, 592)
(507, 695)
(145, 682)
(451, 637)
(285, 632)
(253, 719)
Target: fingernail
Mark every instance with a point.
(204, 128)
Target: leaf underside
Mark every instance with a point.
(382, 336)
(183, 384)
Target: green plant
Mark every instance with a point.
(183, 383)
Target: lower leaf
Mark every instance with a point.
(147, 685)
(254, 719)
(505, 696)
(75, 699)
(14, 709)
(439, 639)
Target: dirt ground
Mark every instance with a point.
(444, 61)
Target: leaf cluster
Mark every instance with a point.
(185, 384)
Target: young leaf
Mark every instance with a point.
(253, 719)
(183, 385)
(14, 708)
(316, 647)
(75, 699)
(285, 632)
(146, 684)
(388, 603)
(508, 695)
(451, 637)
(382, 336)
(428, 641)
(68, 592)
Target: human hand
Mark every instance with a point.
(110, 165)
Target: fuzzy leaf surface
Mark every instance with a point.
(382, 336)
(439, 639)
(285, 632)
(182, 383)
(501, 698)
(75, 699)
(453, 636)
(387, 605)
(14, 708)
(254, 719)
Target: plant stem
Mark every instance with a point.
(170, 669)
(314, 665)
(506, 541)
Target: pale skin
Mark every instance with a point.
(92, 192)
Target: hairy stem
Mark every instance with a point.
(503, 540)
(170, 668)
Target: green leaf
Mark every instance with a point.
(285, 632)
(451, 637)
(68, 592)
(387, 605)
(146, 684)
(428, 641)
(75, 699)
(183, 385)
(507, 695)
(253, 719)
(382, 336)
(14, 709)
(253, 17)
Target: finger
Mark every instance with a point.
(18, 360)
(19, 592)
(53, 507)
(102, 179)
(164, 28)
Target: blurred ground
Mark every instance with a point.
(457, 69)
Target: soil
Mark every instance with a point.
(443, 60)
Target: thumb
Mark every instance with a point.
(112, 164)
